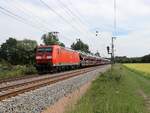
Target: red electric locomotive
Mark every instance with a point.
(55, 57)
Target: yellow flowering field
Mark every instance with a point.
(140, 67)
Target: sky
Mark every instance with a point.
(75, 19)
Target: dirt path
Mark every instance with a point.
(146, 99)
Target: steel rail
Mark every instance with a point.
(5, 80)
(40, 78)
(40, 83)
(17, 78)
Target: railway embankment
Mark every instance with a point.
(37, 100)
(120, 90)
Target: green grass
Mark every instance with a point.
(9, 71)
(144, 76)
(115, 91)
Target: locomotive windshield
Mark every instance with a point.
(47, 49)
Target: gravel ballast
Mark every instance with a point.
(36, 101)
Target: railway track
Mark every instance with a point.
(13, 88)
(17, 78)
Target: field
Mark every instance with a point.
(121, 90)
(139, 67)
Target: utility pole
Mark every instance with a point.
(112, 38)
(112, 42)
(112, 51)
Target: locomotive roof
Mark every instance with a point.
(57, 46)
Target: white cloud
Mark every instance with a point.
(132, 21)
(135, 44)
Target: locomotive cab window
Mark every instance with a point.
(40, 50)
(48, 49)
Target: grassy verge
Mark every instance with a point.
(9, 71)
(143, 79)
(115, 91)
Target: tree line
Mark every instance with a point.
(124, 59)
(22, 52)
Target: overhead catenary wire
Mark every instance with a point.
(83, 18)
(70, 12)
(18, 18)
(79, 20)
(29, 14)
(115, 30)
(115, 18)
(41, 20)
(25, 21)
(64, 19)
(86, 36)
(76, 17)
(54, 11)
(78, 13)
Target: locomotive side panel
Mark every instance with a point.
(65, 57)
(55, 55)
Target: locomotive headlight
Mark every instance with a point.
(38, 57)
(48, 57)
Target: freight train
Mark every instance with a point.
(57, 58)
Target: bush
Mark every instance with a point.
(30, 69)
(16, 71)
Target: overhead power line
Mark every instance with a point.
(115, 18)
(27, 23)
(36, 19)
(64, 19)
(40, 20)
(85, 33)
(23, 9)
(18, 18)
(83, 17)
(24, 20)
(115, 30)
(70, 11)
(78, 13)
(76, 17)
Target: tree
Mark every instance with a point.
(146, 59)
(18, 52)
(8, 50)
(0, 54)
(62, 44)
(97, 54)
(51, 39)
(79, 45)
(26, 51)
(124, 59)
